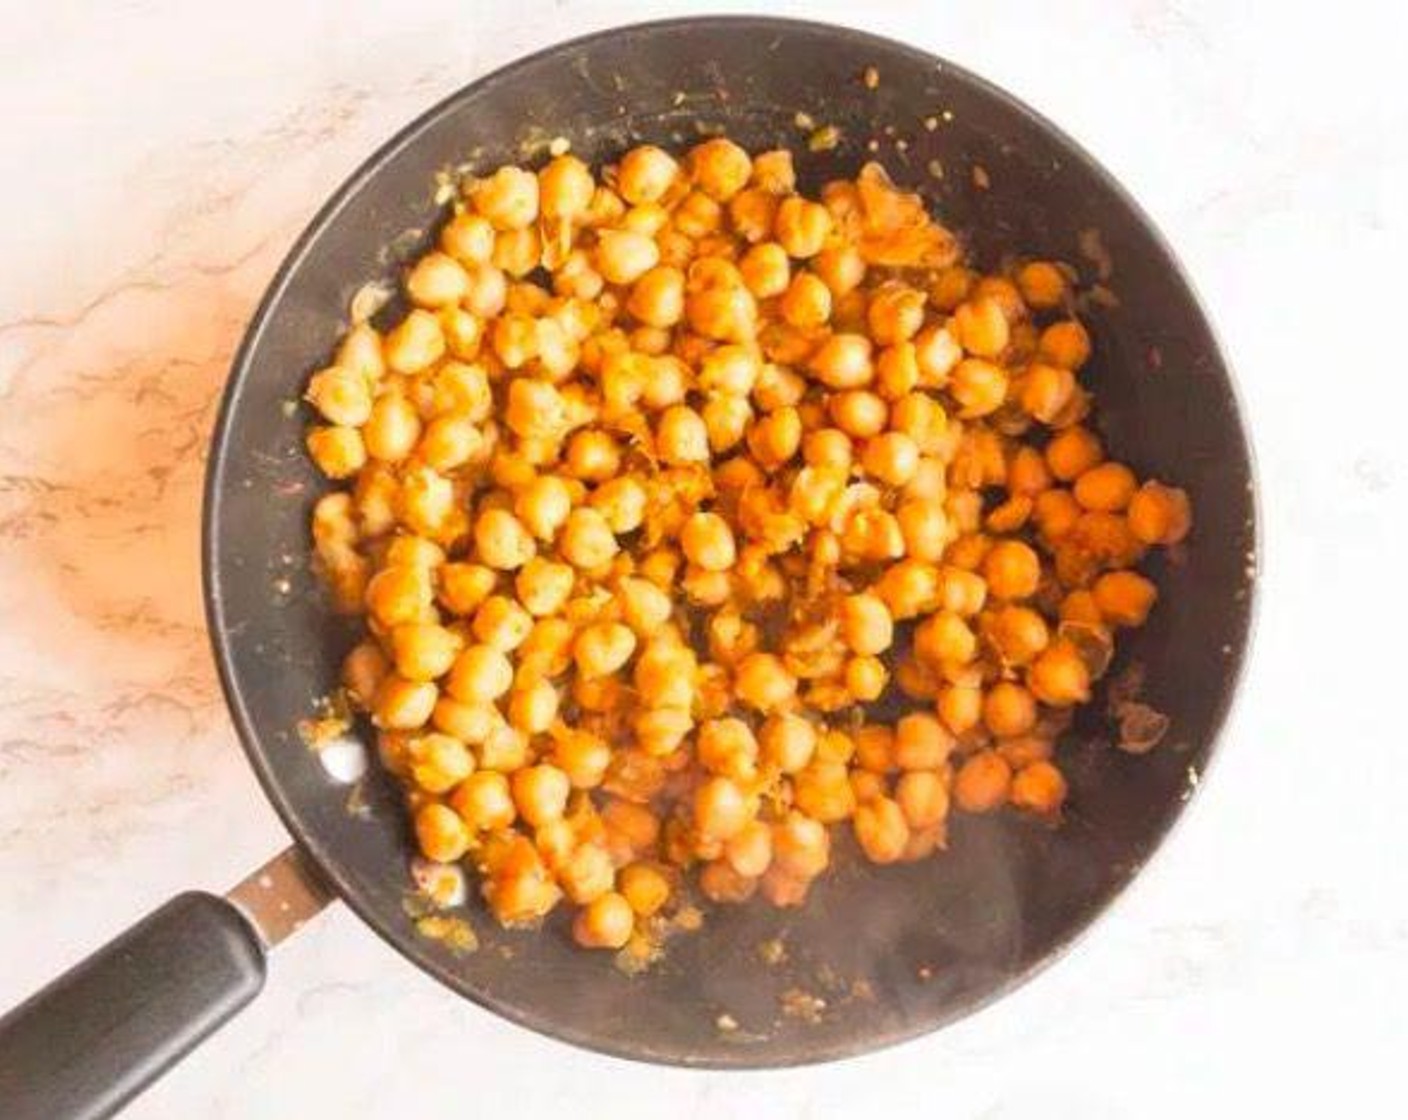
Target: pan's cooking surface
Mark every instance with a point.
(878, 954)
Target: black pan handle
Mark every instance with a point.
(102, 1032)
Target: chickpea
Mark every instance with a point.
(415, 344)
(644, 606)
(508, 198)
(892, 457)
(1046, 391)
(502, 541)
(960, 707)
(979, 387)
(1107, 488)
(866, 625)
(925, 529)
(823, 792)
(858, 413)
(1012, 570)
(440, 833)
(337, 452)
(484, 802)
(1073, 452)
(881, 830)
(1042, 284)
(765, 269)
(645, 887)
(787, 742)
(501, 623)
(922, 798)
(480, 675)
(802, 226)
(543, 506)
(937, 353)
(752, 212)
(657, 297)
(393, 429)
(450, 442)
(1065, 344)
(624, 256)
(726, 419)
(982, 327)
(363, 670)
(436, 280)
(544, 586)
(806, 304)
(1058, 676)
(1056, 513)
(828, 447)
(1159, 514)
(841, 268)
(605, 922)
(342, 396)
(402, 704)
(909, 588)
(1039, 788)
(725, 313)
(708, 542)
(721, 810)
(438, 762)
(622, 501)
(399, 594)
(1124, 598)
(982, 782)
(1019, 634)
(843, 361)
(921, 742)
(468, 238)
(603, 649)
(866, 678)
(565, 188)
(763, 683)
(775, 438)
(645, 175)
(1009, 709)
(681, 436)
(720, 168)
(895, 314)
(593, 456)
(587, 541)
(424, 651)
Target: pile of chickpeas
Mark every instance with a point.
(667, 479)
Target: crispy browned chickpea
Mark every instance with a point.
(587, 541)
(892, 457)
(979, 386)
(866, 625)
(681, 436)
(1107, 488)
(592, 456)
(1159, 514)
(858, 413)
(762, 682)
(1058, 676)
(843, 362)
(1124, 598)
(765, 269)
(658, 296)
(708, 542)
(508, 198)
(1039, 788)
(720, 168)
(645, 175)
(565, 188)
(982, 782)
(802, 226)
(1065, 344)
(881, 830)
(1012, 570)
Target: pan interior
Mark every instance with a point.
(889, 952)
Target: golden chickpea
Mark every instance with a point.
(787, 742)
(337, 452)
(922, 798)
(362, 672)
(1065, 344)
(897, 371)
(440, 833)
(960, 707)
(480, 675)
(438, 762)
(449, 442)
(361, 352)
(720, 168)
(404, 705)
(645, 175)
(415, 344)
(1159, 514)
(751, 213)
(399, 594)
(341, 395)
(657, 298)
(502, 541)
(1009, 709)
(1019, 634)
(749, 852)
(873, 534)
(802, 226)
(961, 591)
(982, 327)
(765, 269)
(508, 198)
(726, 419)
(1042, 284)
(937, 354)
(624, 256)
(1125, 598)
(502, 623)
(565, 188)
(982, 782)
(393, 430)
(1012, 570)
(945, 638)
(895, 314)
(823, 792)
(1046, 391)
(708, 542)
(828, 447)
(841, 268)
(535, 409)
(593, 456)
(436, 280)
(891, 457)
(644, 606)
(1039, 788)
(587, 541)
(543, 505)
(603, 649)
(866, 625)
(881, 830)
(681, 437)
(544, 586)
(424, 651)
(487, 292)
(763, 683)
(925, 529)
(909, 588)
(726, 313)
(728, 747)
(645, 887)
(866, 678)
(1058, 676)
(504, 749)
(979, 387)
(1107, 488)
(721, 810)
(583, 757)
(843, 361)
(775, 438)
(921, 742)
(806, 304)
(1073, 452)
(469, 238)
(484, 802)
(540, 793)
(858, 413)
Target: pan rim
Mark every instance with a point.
(327, 863)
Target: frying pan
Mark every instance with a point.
(878, 955)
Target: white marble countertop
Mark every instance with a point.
(161, 156)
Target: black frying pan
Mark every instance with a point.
(878, 955)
